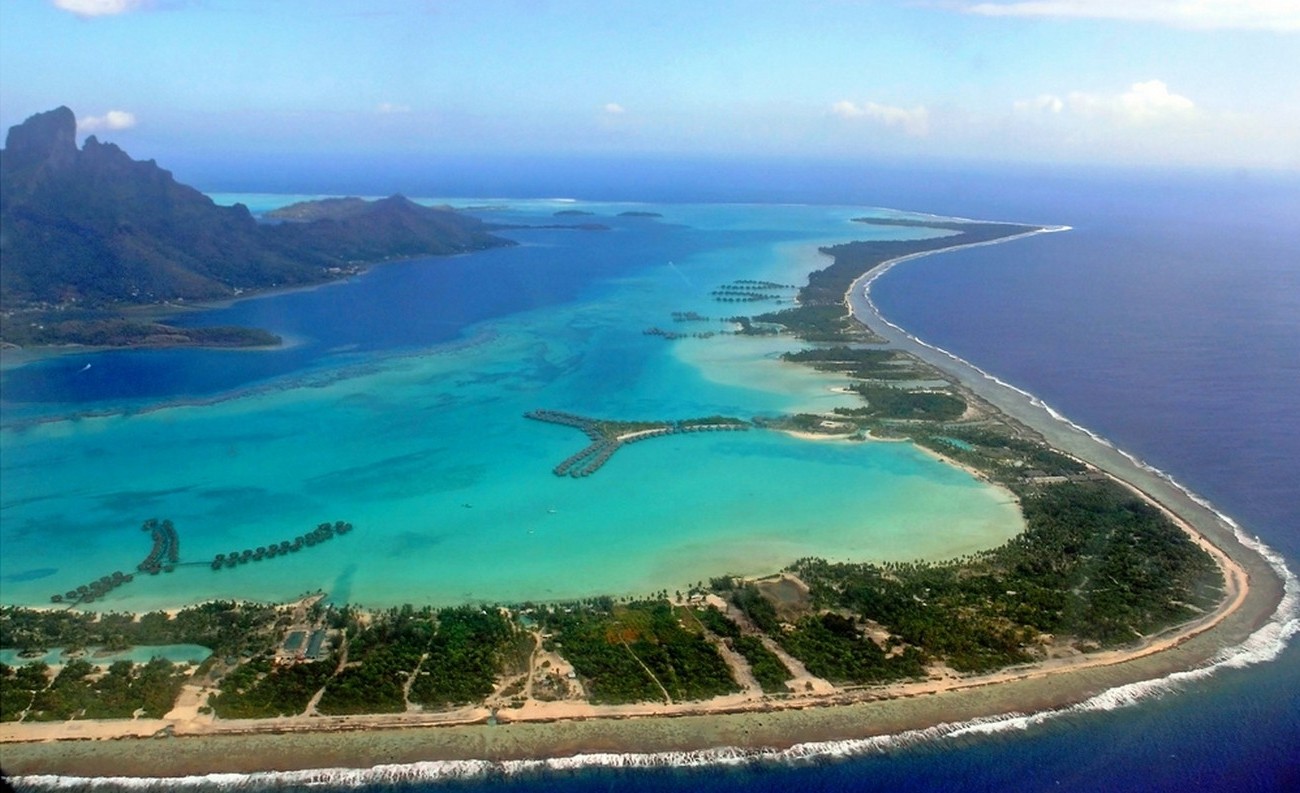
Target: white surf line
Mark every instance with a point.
(1264, 645)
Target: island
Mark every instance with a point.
(1120, 576)
(99, 248)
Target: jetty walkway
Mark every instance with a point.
(609, 436)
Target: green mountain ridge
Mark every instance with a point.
(93, 229)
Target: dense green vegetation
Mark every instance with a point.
(638, 652)
(66, 696)
(768, 670)
(80, 691)
(995, 450)
(759, 609)
(835, 357)
(93, 329)
(259, 690)
(717, 622)
(713, 421)
(832, 647)
(872, 363)
(897, 403)
(225, 627)
(823, 317)
(448, 657)
(811, 322)
(18, 687)
(382, 656)
(1095, 564)
(465, 657)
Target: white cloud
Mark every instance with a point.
(846, 109)
(387, 108)
(915, 121)
(98, 8)
(1152, 100)
(1277, 15)
(614, 109)
(1145, 122)
(113, 119)
(1144, 102)
(1046, 103)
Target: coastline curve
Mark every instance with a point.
(1273, 630)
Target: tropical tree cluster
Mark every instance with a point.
(640, 651)
(82, 691)
(1096, 566)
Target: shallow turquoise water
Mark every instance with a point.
(424, 449)
(176, 653)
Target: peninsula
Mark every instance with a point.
(1119, 577)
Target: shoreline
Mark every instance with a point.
(763, 728)
(13, 356)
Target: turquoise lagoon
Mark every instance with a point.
(417, 437)
(143, 654)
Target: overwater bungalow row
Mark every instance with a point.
(166, 546)
(98, 588)
(558, 417)
(746, 297)
(670, 335)
(578, 457)
(594, 466)
(321, 533)
(564, 467)
(731, 291)
(763, 284)
(714, 428)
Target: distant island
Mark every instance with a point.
(90, 236)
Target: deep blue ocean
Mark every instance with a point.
(1167, 320)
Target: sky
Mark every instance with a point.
(1167, 83)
